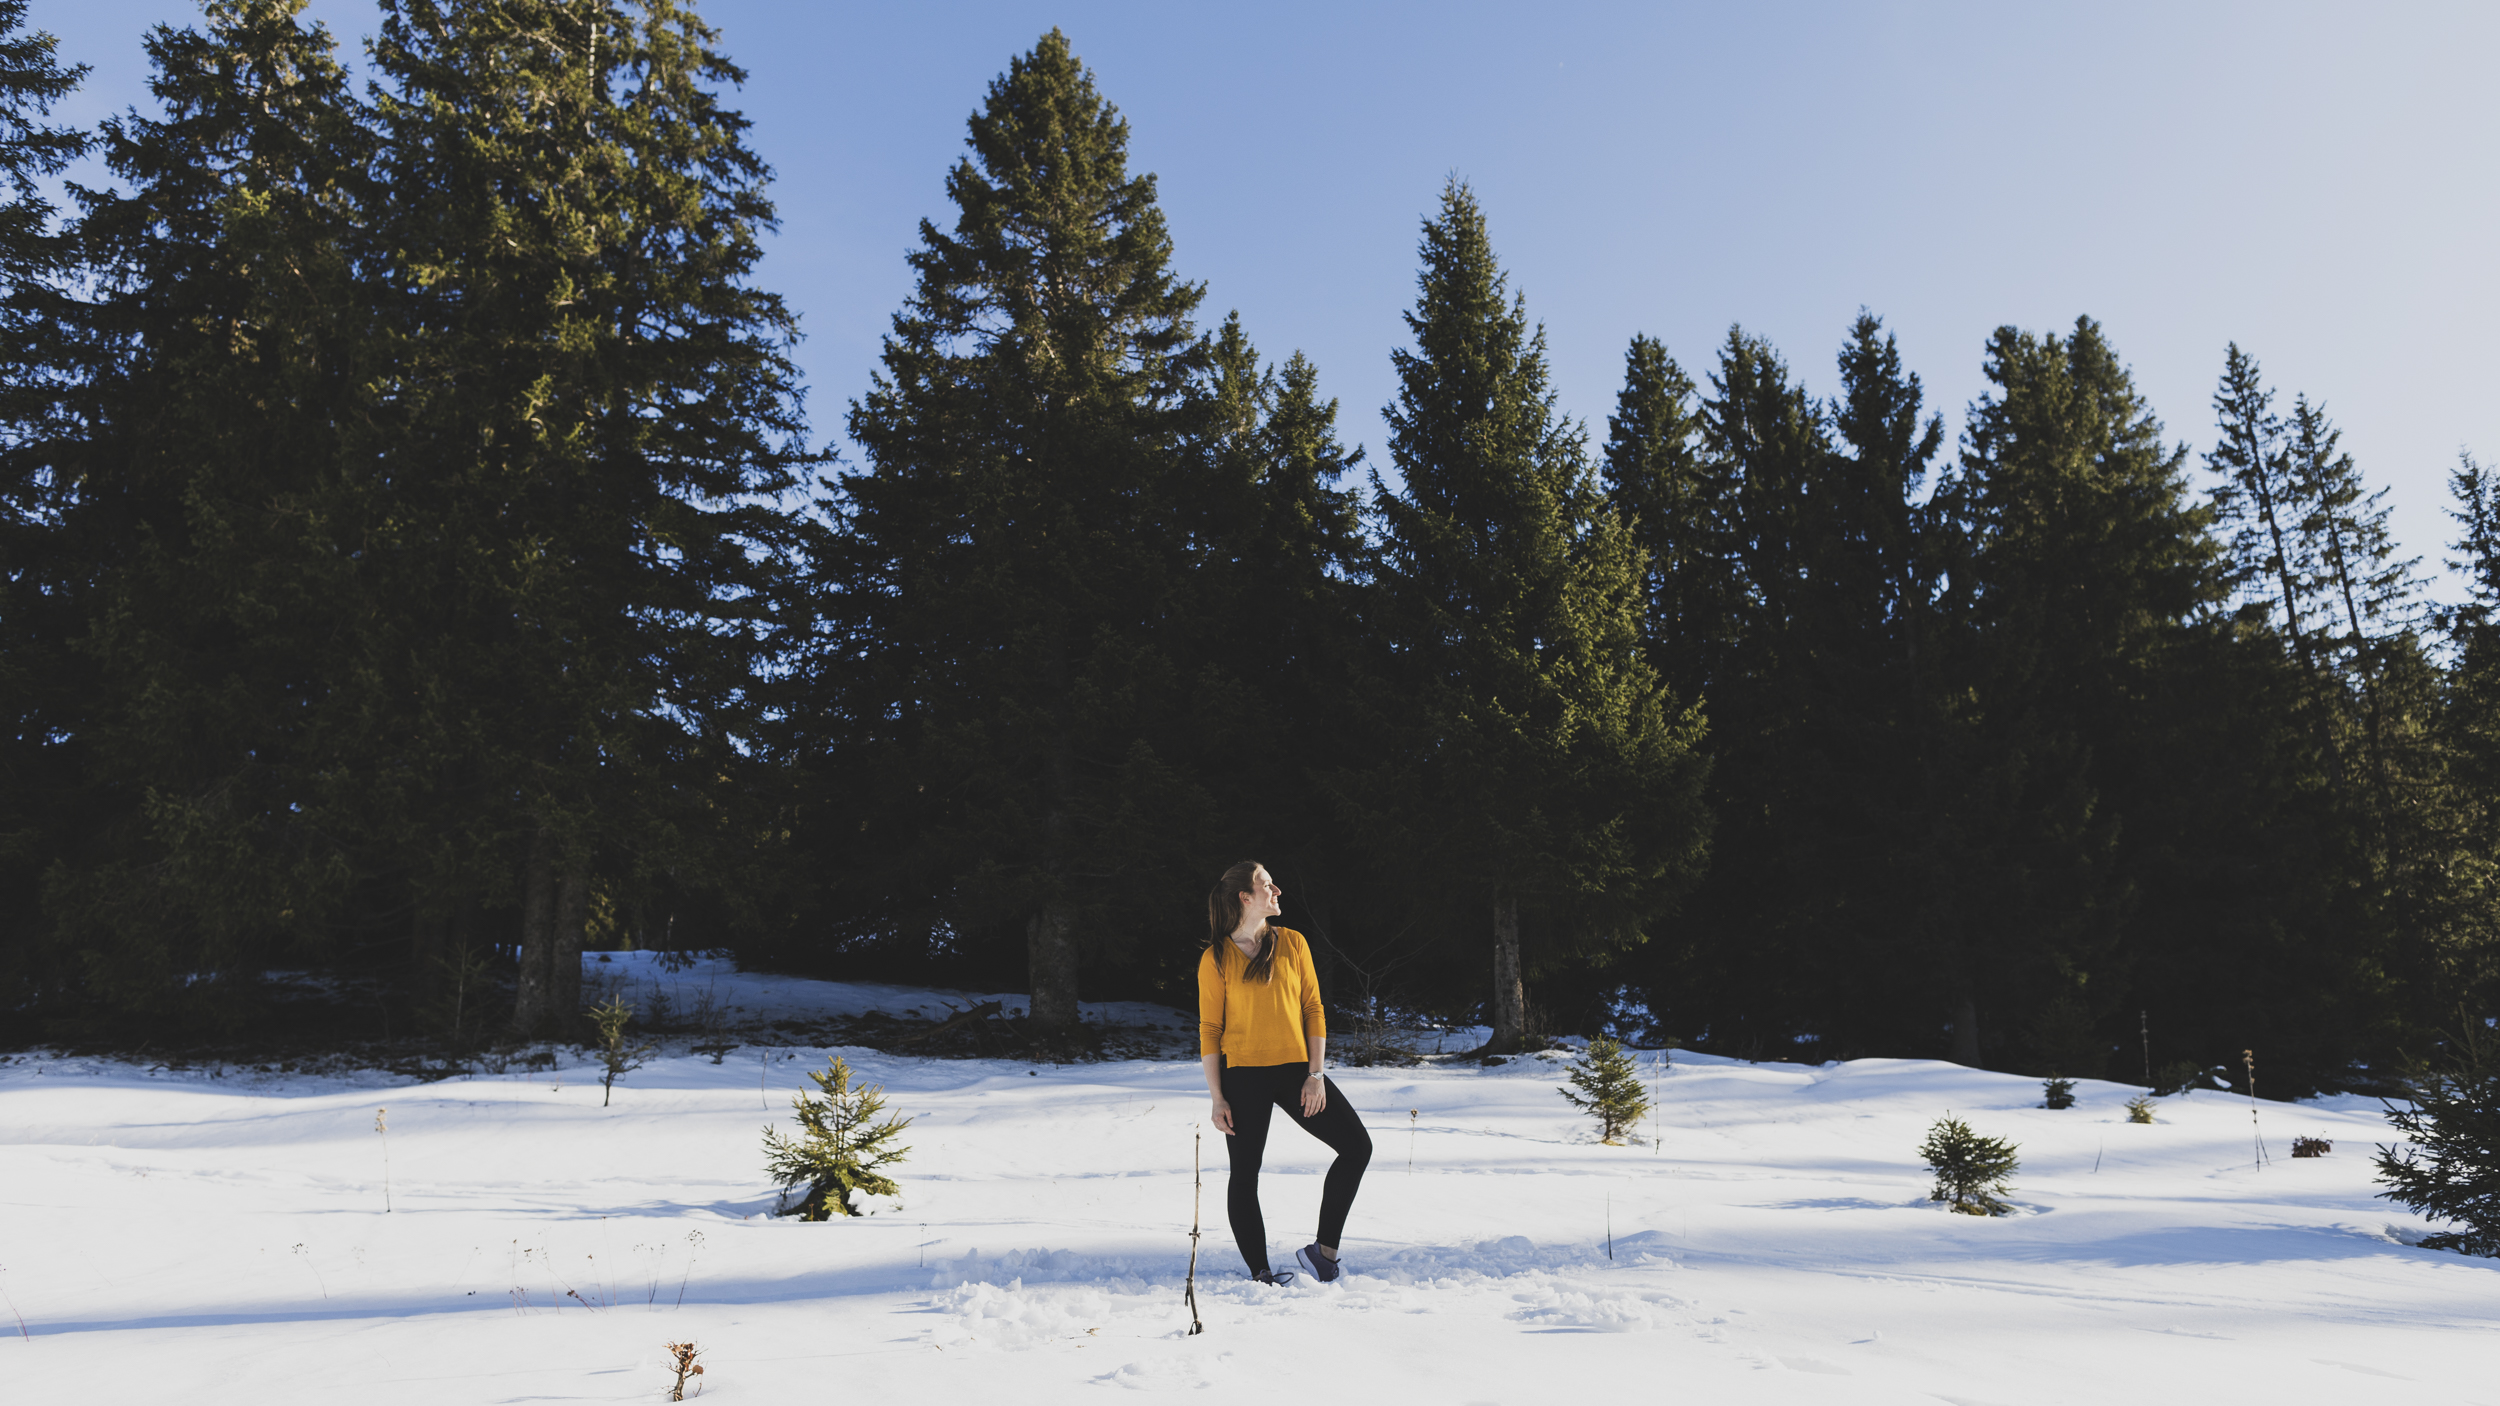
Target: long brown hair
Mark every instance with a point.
(1224, 914)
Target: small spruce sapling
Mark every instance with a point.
(2140, 1109)
(1610, 1088)
(620, 1061)
(2448, 1167)
(839, 1149)
(1970, 1169)
(2060, 1093)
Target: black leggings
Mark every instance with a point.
(1254, 1093)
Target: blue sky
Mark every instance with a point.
(2317, 182)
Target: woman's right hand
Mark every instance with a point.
(1223, 1117)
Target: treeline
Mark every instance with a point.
(415, 570)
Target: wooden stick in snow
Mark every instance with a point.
(1189, 1294)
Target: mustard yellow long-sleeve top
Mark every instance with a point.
(1259, 1022)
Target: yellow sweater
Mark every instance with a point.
(1259, 1022)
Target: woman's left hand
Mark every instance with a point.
(1314, 1096)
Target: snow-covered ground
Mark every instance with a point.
(209, 1236)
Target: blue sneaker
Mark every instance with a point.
(1279, 1278)
(1317, 1264)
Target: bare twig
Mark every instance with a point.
(1189, 1293)
(682, 1357)
(2249, 1059)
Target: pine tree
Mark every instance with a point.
(2451, 1169)
(1889, 442)
(1887, 768)
(2469, 724)
(39, 790)
(1274, 633)
(217, 356)
(2083, 562)
(599, 409)
(423, 491)
(2367, 589)
(1012, 561)
(1970, 1170)
(1679, 508)
(2368, 597)
(840, 1147)
(1290, 544)
(1761, 443)
(2282, 801)
(1538, 765)
(2259, 504)
(2418, 888)
(2475, 506)
(32, 80)
(2087, 545)
(1829, 865)
(1610, 1088)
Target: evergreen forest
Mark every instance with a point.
(417, 567)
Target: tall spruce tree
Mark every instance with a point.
(32, 81)
(419, 495)
(2258, 504)
(2426, 896)
(2370, 592)
(211, 386)
(1827, 764)
(1539, 767)
(2386, 927)
(1679, 507)
(38, 785)
(1874, 764)
(598, 412)
(2085, 558)
(1011, 557)
(1764, 445)
(2470, 736)
(1889, 442)
(2278, 919)
(1281, 557)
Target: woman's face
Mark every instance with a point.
(1263, 899)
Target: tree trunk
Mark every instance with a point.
(1510, 994)
(564, 952)
(1050, 951)
(538, 901)
(1966, 1032)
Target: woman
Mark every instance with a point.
(1263, 1039)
